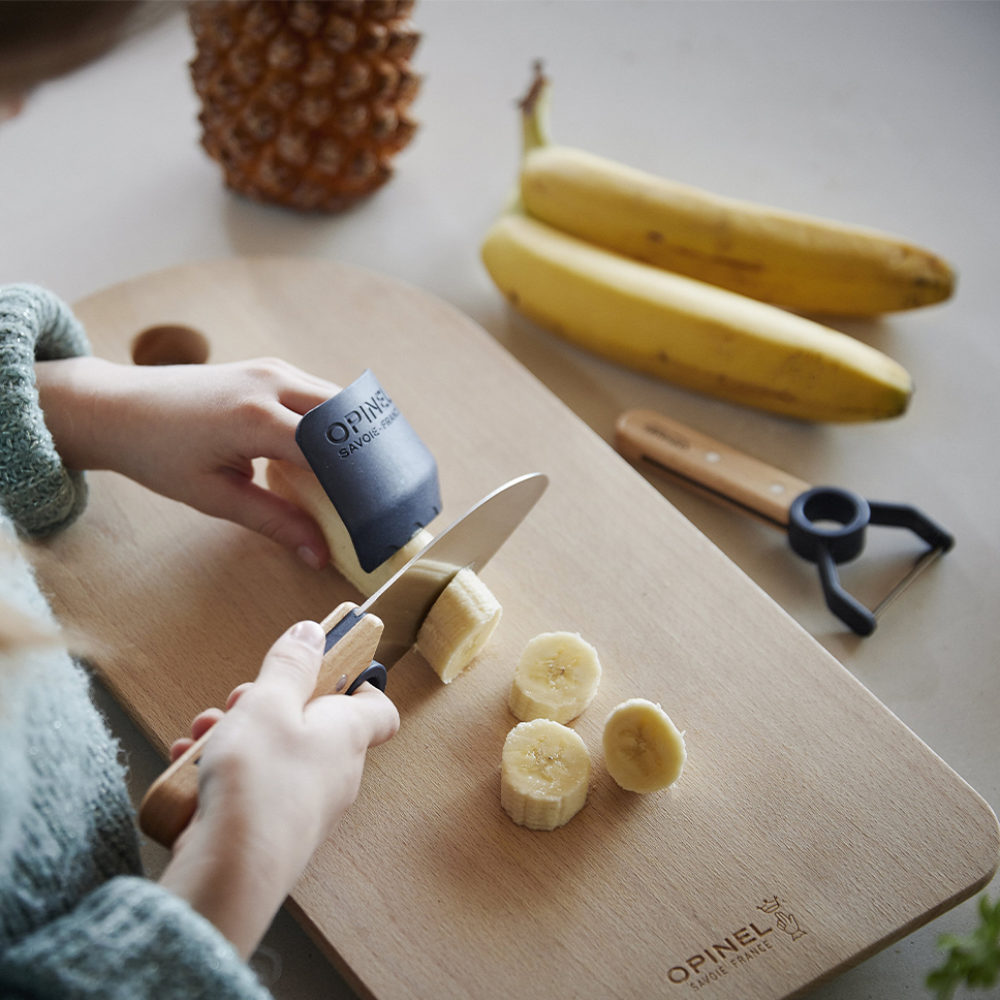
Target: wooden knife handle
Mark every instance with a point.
(708, 467)
(172, 799)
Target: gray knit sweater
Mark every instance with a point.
(77, 917)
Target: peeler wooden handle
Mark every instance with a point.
(172, 799)
(715, 470)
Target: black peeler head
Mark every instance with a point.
(379, 475)
(827, 526)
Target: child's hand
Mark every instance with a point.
(276, 777)
(190, 433)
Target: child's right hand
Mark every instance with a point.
(279, 772)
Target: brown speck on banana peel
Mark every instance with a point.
(722, 236)
(733, 263)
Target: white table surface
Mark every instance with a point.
(883, 114)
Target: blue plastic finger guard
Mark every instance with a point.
(379, 475)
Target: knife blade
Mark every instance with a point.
(384, 628)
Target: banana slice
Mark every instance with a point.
(556, 678)
(643, 749)
(544, 774)
(304, 490)
(459, 625)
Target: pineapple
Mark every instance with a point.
(304, 103)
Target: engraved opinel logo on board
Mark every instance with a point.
(740, 947)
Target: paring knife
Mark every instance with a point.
(382, 629)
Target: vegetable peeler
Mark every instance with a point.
(825, 524)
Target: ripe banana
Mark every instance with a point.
(544, 774)
(689, 332)
(458, 626)
(556, 678)
(785, 258)
(643, 749)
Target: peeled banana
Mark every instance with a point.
(304, 490)
(544, 774)
(556, 678)
(459, 625)
(789, 259)
(643, 749)
(687, 331)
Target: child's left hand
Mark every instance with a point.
(190, 432)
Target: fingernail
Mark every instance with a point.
(310, 633)
(306, 554)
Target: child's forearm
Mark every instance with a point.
(72, 393)
(235, 885)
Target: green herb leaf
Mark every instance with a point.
(973, 959)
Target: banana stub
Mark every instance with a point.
(304, 490)
(556, 678)
(459, 625)
(643, 750)
(544, 774)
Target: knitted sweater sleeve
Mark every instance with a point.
(113, 936)
(127, 940)
(36, 491)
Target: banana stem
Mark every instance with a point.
(535, 112)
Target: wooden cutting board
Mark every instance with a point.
(809, 829)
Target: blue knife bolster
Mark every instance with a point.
(341, 629)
